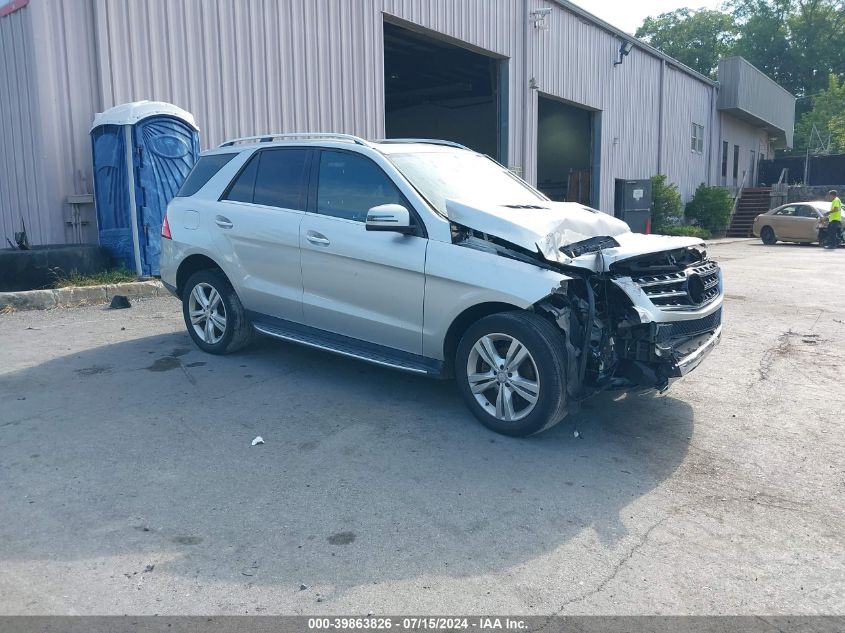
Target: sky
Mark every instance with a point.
(628, 15)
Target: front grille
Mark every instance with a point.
(694, 326)
(686, 289)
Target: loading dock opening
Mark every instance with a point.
(567, 156)
(436, 89)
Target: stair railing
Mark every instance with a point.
(738, 196)
(779, 193)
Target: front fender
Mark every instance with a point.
(458, 278)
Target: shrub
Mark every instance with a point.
(692, 231)
(665, 204)
(710, 207)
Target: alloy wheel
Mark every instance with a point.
(208, 313)
(503, 377)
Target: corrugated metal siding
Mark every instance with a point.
(749, 138)
(573, 60)
(251, 66)
(745, 88)
(21, 188)
(687, 101)
(67, 97)
(248, 67)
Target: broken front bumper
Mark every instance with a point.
(688, 359)
(654, 354)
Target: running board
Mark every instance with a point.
(349, 349)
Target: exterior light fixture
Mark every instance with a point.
(539, 17)
(624, 50)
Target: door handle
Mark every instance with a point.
(223, 222)
(317, 238)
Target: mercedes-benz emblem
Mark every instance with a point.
(695, 288)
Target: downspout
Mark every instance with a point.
(525, 89)
(710, 137)
(660, 117)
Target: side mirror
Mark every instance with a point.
(390, 217)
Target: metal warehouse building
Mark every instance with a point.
(541, 85)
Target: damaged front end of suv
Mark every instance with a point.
(637, 311)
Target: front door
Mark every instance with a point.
(363, 284)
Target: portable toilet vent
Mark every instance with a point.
(142, 152)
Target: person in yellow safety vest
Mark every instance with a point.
(834, 217)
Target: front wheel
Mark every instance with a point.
(214, 315)
(767, 234)
(511, 372)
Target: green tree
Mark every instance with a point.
(764, 38)
(695, 38)
(827, 114)
(798, 43)
(665, 204)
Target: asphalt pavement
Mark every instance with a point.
(128, 482)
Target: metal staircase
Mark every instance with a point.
(752, 202)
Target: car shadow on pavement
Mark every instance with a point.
(142, 450)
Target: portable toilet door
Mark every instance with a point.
(143, 152)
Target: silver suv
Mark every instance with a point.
(427, 257)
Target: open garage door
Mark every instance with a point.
(434, 89)
(567, 151)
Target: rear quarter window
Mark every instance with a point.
(202, 172)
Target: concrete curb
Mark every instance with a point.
(78, 296)
(729, 240)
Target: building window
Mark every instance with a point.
(697, 144)
(736, 162)
(724, 159)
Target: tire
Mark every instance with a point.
(541, 373)
(230, 330)
(768, 236)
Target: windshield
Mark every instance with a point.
(441, 176)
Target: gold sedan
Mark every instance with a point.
(802, 222)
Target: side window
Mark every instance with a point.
(280, 181)
(350, 185)
(786, 211)
(807, 212)
(242, 188)
(272, 177)
(203, 171)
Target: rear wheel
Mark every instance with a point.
(511, 372)
(214, 315)
(767, 234)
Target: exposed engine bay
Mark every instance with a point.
(630, 321)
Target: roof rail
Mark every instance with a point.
(268, 138)
(429, 141)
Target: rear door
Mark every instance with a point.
(256, 226)
(363, 284)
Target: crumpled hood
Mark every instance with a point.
(560, 224)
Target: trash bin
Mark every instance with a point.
(633, 204)
(142, 154)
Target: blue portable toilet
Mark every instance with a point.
(142, 153)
